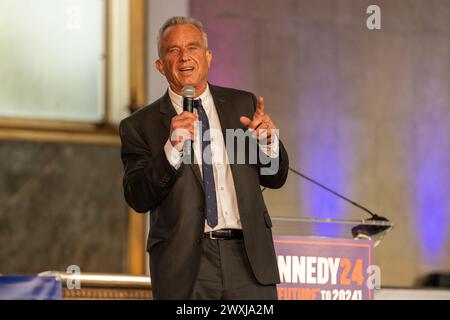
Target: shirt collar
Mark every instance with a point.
(177, 100)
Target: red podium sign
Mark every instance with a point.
(314, 268)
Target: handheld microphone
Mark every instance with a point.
(188, 93)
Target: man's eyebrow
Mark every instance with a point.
(176, 46)
(194, 43)
(173, 46)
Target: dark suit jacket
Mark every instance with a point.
(175, 198)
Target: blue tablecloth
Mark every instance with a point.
(30, 288)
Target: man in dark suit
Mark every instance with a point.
(210, 232)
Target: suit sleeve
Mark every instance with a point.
(273, 172)
(148, 176)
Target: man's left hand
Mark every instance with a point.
(261, 123)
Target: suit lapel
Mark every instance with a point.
(168, 111)
(224, 116)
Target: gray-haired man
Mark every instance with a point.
(210, 234)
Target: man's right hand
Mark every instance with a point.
(182, 129)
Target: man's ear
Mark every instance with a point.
(209, 57)
(159, 66)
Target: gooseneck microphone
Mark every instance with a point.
(335, 193)
(188, 93)
(361, 231)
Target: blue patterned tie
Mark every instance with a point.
(208, 175)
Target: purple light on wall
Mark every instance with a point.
(432, 190)
(322, 158)
(322, 164)
(233, 56)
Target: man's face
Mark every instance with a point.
(185, 60)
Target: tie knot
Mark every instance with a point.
(198, 103)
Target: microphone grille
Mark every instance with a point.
(188, 91)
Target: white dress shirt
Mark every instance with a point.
(227, 208)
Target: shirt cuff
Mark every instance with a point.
(271, 150)
(172, 155)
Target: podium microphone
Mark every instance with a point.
(188, 93)
(361, 231)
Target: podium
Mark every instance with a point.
(327, 259)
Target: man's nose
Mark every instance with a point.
(184, 55)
